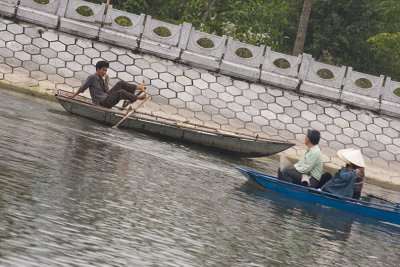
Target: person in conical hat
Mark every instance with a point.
(357, 164)
(340, 154)
(348, 181)
(353, 156)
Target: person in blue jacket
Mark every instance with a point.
(342, 182)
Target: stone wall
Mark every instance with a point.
(210, 86)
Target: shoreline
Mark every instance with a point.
(27, 90)
(40, 93)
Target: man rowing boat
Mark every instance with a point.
(99, 89)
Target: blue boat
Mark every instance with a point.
(373, 210)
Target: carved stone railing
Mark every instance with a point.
(203, 50)
(362, 89)
(280, 69)
(390, 98)
(42, 14)
(154, 42)
(320, 79)
(8, 7)
(87, 26)
(185, 44)
(246, 66)
(126, 36)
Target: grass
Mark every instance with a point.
(123, 21)
(85, 11)
(282, 63)
(325, 74)
(244, 53)
(397, 92)
(42, 2)
(162, 31)
(363, 83)
(205, 42)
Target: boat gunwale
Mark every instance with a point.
(348, 200)
(175, 123)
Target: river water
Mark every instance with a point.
(74, 192)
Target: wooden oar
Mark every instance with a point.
(130, 112)
(385, 200)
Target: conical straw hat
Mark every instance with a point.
(355, 157)
(340, 154)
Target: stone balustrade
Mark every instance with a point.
(193, 53)
(161, 38)
(8, 7)
(184, 44)
(320, 79)
(126, 36)
(33, 12)
(363, 89)
(281, 70)
(390, 101)
(246, 66)
(82, 25)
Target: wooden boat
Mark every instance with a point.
(229, 142)
(373, 210)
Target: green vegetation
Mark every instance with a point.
(397, 92)
(85, 11)
(243, 53)
(123, 21)
(162, 31)
(363, 34)
(282, 63)
(205, 42)
(325, 74)
(363, 83)
(42, 2)
(386, 47)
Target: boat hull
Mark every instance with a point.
(211, 138)
(372, 210)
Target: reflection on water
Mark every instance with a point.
(75, 192)
(335, 224)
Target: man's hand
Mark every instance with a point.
(106, 77)
(72, 95)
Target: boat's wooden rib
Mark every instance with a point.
(234, 143)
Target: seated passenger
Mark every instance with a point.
(309, 169)
(343, 182)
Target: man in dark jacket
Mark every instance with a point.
(99, 89)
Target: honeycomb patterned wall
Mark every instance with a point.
(46, 60)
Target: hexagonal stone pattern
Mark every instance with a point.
(54, 60)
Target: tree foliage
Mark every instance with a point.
(256, 22)
(363, 34)
(387, 48)
(339, 30)
(386, 45)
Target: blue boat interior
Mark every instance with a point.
(266, 180)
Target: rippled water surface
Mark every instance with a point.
(76, 192)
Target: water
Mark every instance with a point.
(74, 192)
